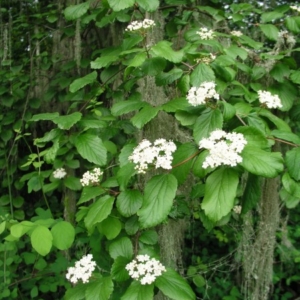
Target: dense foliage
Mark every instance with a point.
(211, 92)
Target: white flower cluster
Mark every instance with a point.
(206, 60)
(294, 7)
(91, 177)
(83, 269)
(138, 25)
(145, 269)
(158, 154)
(59, 173)
(236, 33)
(197, 96)
(271, 101)
(224, 148)
(237, 209)
(206, 34)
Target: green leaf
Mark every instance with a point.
(174, 286)
(271, 16)
(104, 61)
(121, 247)
(90, 192)
(91, 148)
(44, 117)
(169, 77)
(100, 289)
(148, 5)
(220, 191)
(293, 24)
(144, 116)
(197, 167)
(79, 83)
(18, 230)
(137, 291)
(164, 49)
(176, 104)
(286, 136)
(118, 271)
(160, 192)
(149, 237)
(280, 72)
(129, 202)
(291, 186)
(252, 192)
(287, 94)
(74, 12)
(210, 120)
(138, 60)
(202, 73)
(295, 77)
(66, 122)
(289, 200)
(279, 123)
(76, 293)
(124, 174)
(41, 240)
(63, 235)
(262, 163)
(245, 40)
(124, 107)
(110, 227)
(253, 136)
(72, 183)
(292, 159)
(228, 111)
(98, 211)
(270, 31)
(234, 51)
(154, 66)
(183, 161)
(118, 5)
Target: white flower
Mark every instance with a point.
(237, 209)
(271, 101)
(236, 33)
(83, 269)
(198, 96)
(294, 7)
(91, 177)
(224, 148)
(159, 154)
(59, 173)
(206, 34)
(138, 25)
(145, 269)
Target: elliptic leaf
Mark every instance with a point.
(98, 211)
(220, 191)
(90, 192)
(124, 107)
(174, 286)
(91, 148)
(145, 115)
(122, 247)
(66, 122)
(149, 237)
(270, 31)
(118, 5)
(292, 160)
(63, 235)
(154, 66)
(291, 186)
(100, 289)
(41, 240)
(202, 73)
(260, 162)
(110, 227)
(138, 291)
(160, 192)
(74, 12)
(79, 83)
(253, 136)
(252, 192)
(148, 5)
(210, 120)
(129, 202)
(164, 49)
(118, 270)
(45, 117)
